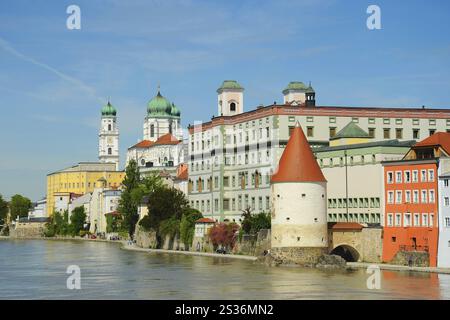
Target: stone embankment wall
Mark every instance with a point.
(27, 230)
(416, 258)
(254, 245)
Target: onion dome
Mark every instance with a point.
(175, 111)
(159, 106)
(297, 163)
(295, 86)
(109, 110)
(230, 84)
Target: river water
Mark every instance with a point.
(36, 269)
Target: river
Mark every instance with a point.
(36, 269)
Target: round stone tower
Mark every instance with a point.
(299, 212)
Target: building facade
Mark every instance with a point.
(411, 200)
(81, 179)
(444, 213)
(232, 157)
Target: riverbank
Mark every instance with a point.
(394, 267)
(126, 246)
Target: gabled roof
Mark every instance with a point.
(441, 139)
(297, 163)
(167, 139)
(351, 130)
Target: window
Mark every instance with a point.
(416, 196)
(398, 197)
(309, 119)
(372, 132)
(432, 122)
(415, 122)
(332, 119)
(407, 220)
(371, 120)
(407, 176)
(232, 107)
(386, 121)
(423, 175)
(291, 119)
(415, 176)
(291, 128)
(416, 133)
(390, 197)
(431, 220)
(446, 201)
(423, 197)
(398, 133)
(226, 204)
(416, 220)
(390, 219)
(310, 131)
(399, 121)
(398, 176)
(447, 222)
(445, 182)
(424, 220)
(109, 127)
(152, 134)
(431, 197)
(332, 132)
(109, 151)
(398, 220)
(432, 131)
(355, 120)
(408, 196)
(386, 133)
(431, 175)
(390, 177)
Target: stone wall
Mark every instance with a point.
(144, 239)
(27, 230)
(417, 258)
(298, 255)
(254, 245)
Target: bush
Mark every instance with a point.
(223, 234)
(146, 223)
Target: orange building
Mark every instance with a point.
(411, 201)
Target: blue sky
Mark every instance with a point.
(53, 81)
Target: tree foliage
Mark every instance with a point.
(187, 225)
(3, 210)
(19, 206)
(223, 234)
(77, 220)
(251, 224)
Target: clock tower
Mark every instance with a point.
(109, 136)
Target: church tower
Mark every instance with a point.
(230, 98)
(299, 212)
(109, 136)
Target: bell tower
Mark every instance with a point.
(108, 138)
(230, 98)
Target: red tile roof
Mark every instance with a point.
(113, 213)
(297, 163)
(438, 139)
(347, 226)
(205, 220)
(163, 140)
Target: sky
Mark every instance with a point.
(54, 81)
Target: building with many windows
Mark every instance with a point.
(444, 213)
(232, 156)
(411, 203)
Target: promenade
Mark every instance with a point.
(394, 267)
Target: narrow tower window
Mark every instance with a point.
(109, 127)
(232, 106)
(109, 151)
(152, 131)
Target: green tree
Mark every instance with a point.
(77, 220)
(164, 204)
(187, 225)
(3, 210)
(19, 206)
(128, 203)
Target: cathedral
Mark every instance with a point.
(162, 145)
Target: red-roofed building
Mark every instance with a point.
(411, 202)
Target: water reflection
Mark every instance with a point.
(36, 270)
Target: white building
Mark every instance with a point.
(82, 201)
(162, 144)
(104, 201)
(109, 136)
(39, 210)
(443, 260)
(232, 157)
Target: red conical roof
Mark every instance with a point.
(297, 163)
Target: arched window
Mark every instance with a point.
(109, 151)
(232, 106)
(109, 127)
(152, 131)
(170, 128)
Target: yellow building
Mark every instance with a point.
(80, 179)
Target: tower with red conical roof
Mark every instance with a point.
(299, 212)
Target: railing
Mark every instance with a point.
(414, 248)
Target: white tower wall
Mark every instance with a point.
(109, 141)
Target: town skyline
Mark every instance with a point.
(55, 81)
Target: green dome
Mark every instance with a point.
(230, 84)
(295, 85)
(109, 110)
(175, 111)
(159, 106)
